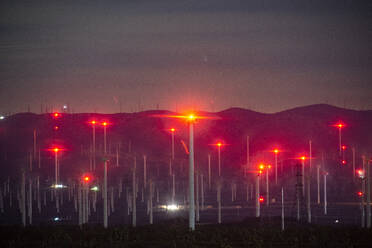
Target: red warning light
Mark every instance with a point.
(191, 117)
(56, 115)
(360, 173)
(172, 130)
(55, 149)
(55, 128)
(360, 193)
(93, 122)
(261, 199)
(219, 144)
(343, 162)
(105, 123)
(343, 148)
(86, 178)
(340, 125)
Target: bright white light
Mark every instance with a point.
(172, 207)
(95, 188)
(2, 117)
(58, 186)
(56, 219)
(65, 106)
(337, 221)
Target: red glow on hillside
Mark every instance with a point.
(56, 149)
(339, 125)
(190, 117)
(276, 150)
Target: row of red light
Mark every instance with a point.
(340, 126)
(192, 118)
(104, 123)
(56, 115)
(85, 178)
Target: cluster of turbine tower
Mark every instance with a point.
(120, 180)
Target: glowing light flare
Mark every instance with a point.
(172, 207)
(276, 151)
(303, 158)
(86, 178)
(360, 173)
(343, 162)
(261, 199)
(55, 149)
(56, 115)
(261, 167)
(172, 130)
(191, 117)
(360, 193)
(93, 122)
(188, 117)
(339, 125)
(219, 144)
(105, 123)
(343, 147)
(56, 128)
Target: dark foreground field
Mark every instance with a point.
(249, 233)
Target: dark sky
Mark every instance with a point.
(210, 55)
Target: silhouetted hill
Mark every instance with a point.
(146, 133)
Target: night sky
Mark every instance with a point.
(209, 55)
